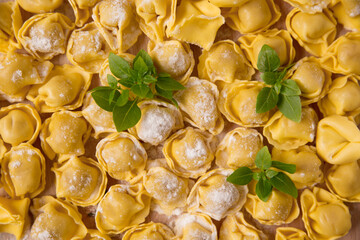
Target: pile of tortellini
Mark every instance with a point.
(165, 178)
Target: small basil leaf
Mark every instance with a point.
(126, 82)
(257, 176)
(270, 77)
(169, 84)
(268, 59)
(148, 79)
(150, 94)
(123, 98)
(290, 106)
(112, 81)
(263, 189)
(263, 158)
(163, 93)
(147, 59)
(290, 168)
(241, 176)
(277, 87)
(140, 66)
(113, 96)
(101, 97)
(174, 102)
(126, 116)
(271, 173)
(141, 90)
(266, 100)
(290, 88)
(284, 184)
(164, 75)
(119, 66)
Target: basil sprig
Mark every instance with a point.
(130, 85)
(283, 93)
(267, 178)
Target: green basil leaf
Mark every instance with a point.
(141, 90)
(123, 98)
(277, 87)
(164, 93)
(112, 81)
(290, 168)
(174, 102)
(150, 94)
(113, 96)
(270, 77)
(126, 116)
(266, 100)
(284, 184)
(290, 106)
(270, 173)
(263, 189)
(140, 66)
(268, 59)
(257, 175)
(147, 59)
(290, 88)
(119, 66)
(164, 75)
(126, 82)
(169, 84)
(241, 176)
(263, 158)
(148, 79)
(101, 97)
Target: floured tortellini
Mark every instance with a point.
(173, 57)
(45, 35)
(286, 134)
(290, 233)
(338, 140)
(105, 69)
(40, 6)
(308, 165)
(309, 6)
(193, 226)
(23, 171)
(10, 22)
(56, 219)
(158, 120)
(196, 22)
(123, 206)
(189, 152)
(81, 181)
(253, 16)
(347, 13)
(325, 217)
(18, 73)
(82, 9)
(280, 208)
(198, 104)
(116, 22)
(87, 48)
(216, 197)
(239, 148)
(343, 54)
(279, 40)
(19, 123)
(64, 133)
(238, 103)
(234, 64)
(96, 235)
(149, 231)
(64, 89)
(315, 38)
(122, 155)
(14, 216)
(227, 3)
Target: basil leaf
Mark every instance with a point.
(147, 59)
(126, 116)
(271, 173)
(174, 102)
(126, 82)
(290, 168)
(266, 100)
(263, 158)
(113, 96)
(290, 88)
(101, 97)
(141, 90)
(119, 66)
(268, 59)
(163, 93)
(284, 184)
(257, 175)
(277, 87)
(140, 66)
(270, 77)
(290, 106)
(164, 75)
(263, 189)
(148, 79)
(241, 176)
(169, 84)
(123, 98)
(112, 81)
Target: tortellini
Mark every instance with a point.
(10, 22)
(82, 10)
(238, 103)
(290, 233)
(173, 57)
(81, 181)
(286, 134)
(56, 219)
(216, 197)
(234, 64)
(193, 226)
(40, 6)
(235, 227)
(189, 152)
(338, 140)
(19, 123)
(158, 120)
(309, 6)
(96, 235)
(105, 69)
(23, 171)
(325, 217)
(64, 133)
(315, 38)
(198, 105)
(347, 13)
(123, 206)
(196, 22)
(343, 54)
(87, 48)
(122, 155)
(227, 3)
(308, 165)
(242, 17)
(14, 216)
(239, 148)
(149, 231)
(279, 40)
(64, 89)
(45, 35)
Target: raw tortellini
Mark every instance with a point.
(309, 6)
(40, 6)
(64, 89)
(347, 13)
(81, 181)
(286, 134)
(149, 231)
(23, 171)
(45, 35)
(290, 233)
(189, 152)
(216, 197)
(122, 155)
(96, 235)
(10, 22)
(253, 16)
(56, 219)
(315, 38)
(325, 217)
(338, 140)
(198, 104)
(234, 64)
(116, 22)
(239, 148)
(82, 10)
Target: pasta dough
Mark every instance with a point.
(193, 226)
(309, 6)
(40, 6)
(348, 14)
(149, 231)
(290, 233)
(96, 235)
(10, 22)
(82, 10)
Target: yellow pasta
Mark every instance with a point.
(347, 13)
(290, 233)
(96, 235)
(149, 231)
(10, 22)
(192, 226)
(309, 6)
(40, 6)
(82, 9)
